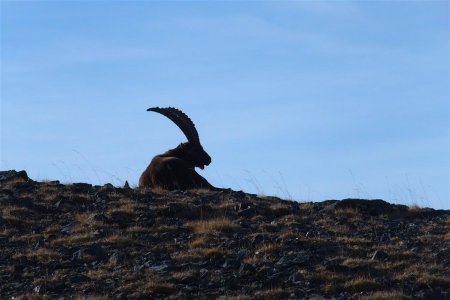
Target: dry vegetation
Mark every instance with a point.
(100, 242)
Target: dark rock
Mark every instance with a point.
(162, 268)
(367, 207)
(82, 188)
(380, 255)
(7, 200)
(257, 239)
(66, 228)
(58, 203)
(120, 295)
(108, 186)
(78, 255)
(432, 294)
(245, 223)
(385, 237)
(77, 278)
(116, 258)
(242, 206)
(120, 217)
(273, 279)
(39, 244)
(292, 260)
(335, 266)
(296, 278)
(230, 263)
(203, 272)
(250, 211)
(101, 197)
(56, 285)
(96, 250)
(246, 269)
(13, 175)
(126, 186)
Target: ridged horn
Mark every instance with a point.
(181, 120)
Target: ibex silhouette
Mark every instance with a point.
(175, 169)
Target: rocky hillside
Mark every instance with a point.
(100, 242)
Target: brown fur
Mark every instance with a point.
(175, 169)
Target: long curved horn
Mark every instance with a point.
(181, 120)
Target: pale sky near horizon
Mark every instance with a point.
(304, 100)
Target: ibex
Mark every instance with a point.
(174, 169)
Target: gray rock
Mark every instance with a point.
(380, 255)
(13, 175)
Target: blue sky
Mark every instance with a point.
(305, 100)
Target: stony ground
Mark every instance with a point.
(78, 241)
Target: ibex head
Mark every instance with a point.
(192, 150)
(174, 169)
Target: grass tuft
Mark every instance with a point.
(219, 224)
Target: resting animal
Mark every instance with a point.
(175, 169)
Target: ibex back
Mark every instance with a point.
(175, 169)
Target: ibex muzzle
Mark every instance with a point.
(175, 169)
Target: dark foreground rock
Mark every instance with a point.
(79, 241)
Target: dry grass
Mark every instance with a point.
(28, 297)
(28, 238)
(239, 297)
(152, 284)
(187, 275)
(321, 276)
(226, 205)
(8, 232)
(352, 240)
(40, 254)
(186, 256)
(137, 230)
(86, 222)
(119, 240)
(385, 295)
(198, 242)
(274, 293)
(289, 235)
(348, 213)
(447, 237)
(268, 248)
(157, 286)
(165, 229)
(219, 224)
(53, 229)
(16, 211)
(280, 209)
(99, 274)
(357, 262)
(433, 281)
(127, 208)
(361, 284)
(428, 238)
(252, 260)
(74, 239)
(200, 191)
(209, 252)
(417, 209)
(92, 297)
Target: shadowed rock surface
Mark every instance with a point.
(79, 241)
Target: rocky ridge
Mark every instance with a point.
(78, 241)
